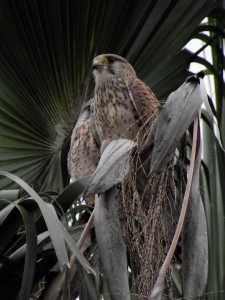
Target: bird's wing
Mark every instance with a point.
(93, 126)
(143, 99)
(85, 113)
(83, 155)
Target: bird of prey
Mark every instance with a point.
(122, 102)
(84, 153)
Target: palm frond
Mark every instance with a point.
(45, 57)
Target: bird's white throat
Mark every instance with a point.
(102, 76)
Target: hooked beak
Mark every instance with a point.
(99, 63)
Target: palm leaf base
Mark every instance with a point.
(148, 217)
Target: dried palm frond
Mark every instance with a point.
(147, 215)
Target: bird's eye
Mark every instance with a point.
(111, 59)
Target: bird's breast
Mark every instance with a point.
(115, 114)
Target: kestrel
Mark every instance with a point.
(122, 102)
(84, 153)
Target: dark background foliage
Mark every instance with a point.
(45, 69)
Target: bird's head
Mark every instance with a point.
(106, 66)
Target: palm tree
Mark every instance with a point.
(45, 56)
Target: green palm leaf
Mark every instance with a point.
(45, 57)
(46, 51)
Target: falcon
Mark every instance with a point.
(122, 102)
(84, 153)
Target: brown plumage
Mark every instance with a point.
(122, 102)
(84, 153)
